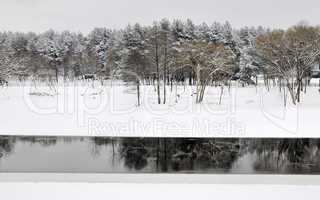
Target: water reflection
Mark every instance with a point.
(287, 155)
(6, 145)
(44, 141)
(151, 155)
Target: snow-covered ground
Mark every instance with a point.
(78, 108)
(97, 191)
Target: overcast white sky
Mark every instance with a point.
(84, 15)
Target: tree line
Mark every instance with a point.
(167, 53)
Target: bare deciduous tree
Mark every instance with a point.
(206, 60)
(290, 55)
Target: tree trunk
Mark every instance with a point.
(57, 73)
(284, 97)
(201, 91)
(299, 90)
(221, 93)
(291, 91)
(176, 86)
(256, 84)
(138, 92)
(305, 85)
(280, 84)
(158, 76)
(164, 75)
(198, 85)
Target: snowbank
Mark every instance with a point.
(111, 110)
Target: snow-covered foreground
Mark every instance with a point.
(82, 191)
(80, 109)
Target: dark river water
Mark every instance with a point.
(158, 155)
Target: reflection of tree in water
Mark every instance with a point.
(42, 140)
(6, 145)
(99, 142)
(179, 154)
(191, 154)
(135, 153)
(205, 153)
(183, 154)
(287, 155)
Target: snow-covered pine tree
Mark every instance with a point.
(49, 46)
(248, 64)
(99, 42)
(134, 60)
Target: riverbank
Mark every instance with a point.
(111, 110)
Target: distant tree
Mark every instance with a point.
(134, 56)
(206, 59)
(154, 53)
(49, 46)
(166, 46)
(78, 55)
(190, 30)
(68, 42)
(178, 30)
(99, 43)
(12, 55)
(290, 54)
(249, 65)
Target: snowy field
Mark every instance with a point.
(81, 108)
(81, 191)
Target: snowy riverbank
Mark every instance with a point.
(80, 109)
